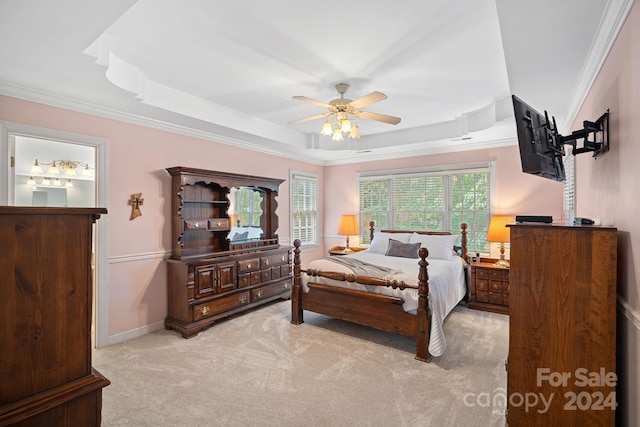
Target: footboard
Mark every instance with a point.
(369, 309)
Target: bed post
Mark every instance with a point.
(296, 308)
(423, 328)
(463, 240)
(371, 224)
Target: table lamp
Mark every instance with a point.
(499, 232)
(348, 227)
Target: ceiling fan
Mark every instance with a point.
(341, 111)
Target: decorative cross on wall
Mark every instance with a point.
(136, 201)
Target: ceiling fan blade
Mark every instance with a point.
(379, 117)
(313, 101)
(372, 98)
(308, 119)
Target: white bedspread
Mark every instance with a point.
(446, 286)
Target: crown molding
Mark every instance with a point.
(46, 98)
(616, 12)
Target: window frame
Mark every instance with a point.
(294, 177)
(446, 172)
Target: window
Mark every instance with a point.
(438, 200)
(304, 208)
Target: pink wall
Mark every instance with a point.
(516, 193)
(607, 188)
(137, 160)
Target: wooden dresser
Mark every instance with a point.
(562, 326)
(490, 287)
(212, 274)
(46, 378)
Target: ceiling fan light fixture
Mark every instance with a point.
(342, 111)
(345, 125)
(355, 132)
(326, 129)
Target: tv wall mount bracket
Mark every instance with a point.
(595, 135)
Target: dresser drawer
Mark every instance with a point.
(496, 286)
(256, 277)
(220, 305)
(196, 224)
(270, 290)
(495, 297)
(285, 270)
(482, 285)
(248, 265)
(273, 260)
(481, 273)
(244, 280)
(497, 274)
(482, 296)
(219, 224)
(266, 275)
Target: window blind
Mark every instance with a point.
(304, 208)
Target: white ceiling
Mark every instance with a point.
(227, 70)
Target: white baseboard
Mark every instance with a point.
(135, 333)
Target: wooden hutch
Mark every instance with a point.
(226, 257)
(46, 377)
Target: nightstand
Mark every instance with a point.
(339, 250)
(489, 287)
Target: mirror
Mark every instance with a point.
(245, 214)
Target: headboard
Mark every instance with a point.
(461, 250)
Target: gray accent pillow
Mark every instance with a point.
(240, 236)
(404, 250)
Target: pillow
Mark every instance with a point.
(439, 245)
(254, 233)
(403, 250)
(380, 241)
(240, 236)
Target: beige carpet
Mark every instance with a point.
(257, 369)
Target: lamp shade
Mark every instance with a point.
(498, 230)
(348, 225)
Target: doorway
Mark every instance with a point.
(72, 173)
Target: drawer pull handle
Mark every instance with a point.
(218, 223)
(286, 286)
(204, 310)
(283, 257)
(259, 293)
(243, 299)
(267, 262)
(249, 265)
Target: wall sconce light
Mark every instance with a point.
(70, 168)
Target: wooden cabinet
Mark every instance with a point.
(46, 297)
(490, 287)
(562, 328)
(212, 275)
